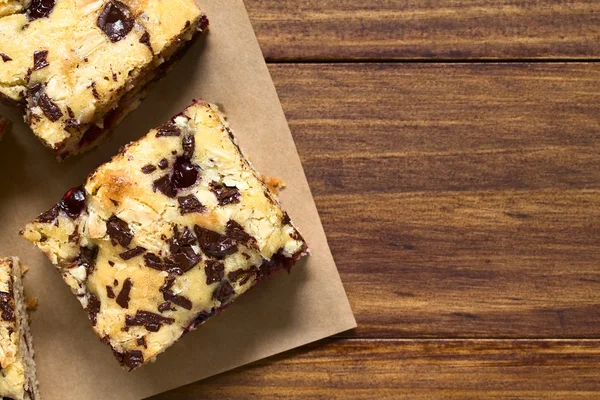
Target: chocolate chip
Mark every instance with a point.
(181, 301)
(115, 282)
(213, 243)
(132, 359)
(186, 258)
(109, 292)
(236, 232)
(148, 169)
(73, 202)
(223, 292)
(112, 264)
(40, 59)
(5, 58)
(49, 216)
(164, 186)
(151, 321)
(34, 92)
(87, 258)
(185, 174)
(39, 9)
(168, 130)
(215, 271)
(93, 308)
(116, 21)
(8, 313)
(95, 91)
(50, 110)
(189, 146)
(114, 76)
(141, 341)
(128, 255)
(225, 195)
(276, 263)
(70, 112)
(285, 219)
(72, 125)
(145, 39)
(118, 230)
(153, 261)
(203, 316)
(163, 164)
(190, 204)
(123, 297)
(234, 276)
(166, 306)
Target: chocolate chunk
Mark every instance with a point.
(34, 92)
(203, 316)
(277, 262)
(234, 276)
(8, 313)
(236, 232)
(93, 308)
(164, 186)
(70, 112)
(168, 130)
(186, 238)
(73, 202)
(185, 174)
(141, 341)
(128, 255)
(224, 292)
(40, 59)
(151, 321)
(49, 109)
(132, 359)
(181, 301)
(116, 21)
(186, 258)
(87, 258)
(189, 146)
(166, 306)
(72, 125)
(163, 164)
(95, 91)
(215, 271)
(39, 9)
(148, 169)
(49, 216)
(225, 195)
(115, 282)
(153, 261)
(109, 292)
(285, 219)
(118, 230)
(145, 39)
(190, 204)
(123, 297)
(112, 264)
(5, 58)
(213, 243)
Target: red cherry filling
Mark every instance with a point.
(73, 203)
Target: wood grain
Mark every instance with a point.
(414, 369)
(460, 200)
(295, 30)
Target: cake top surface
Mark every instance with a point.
(12, 374)
(71, 60)
(166, 234)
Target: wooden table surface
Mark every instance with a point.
(453, 149)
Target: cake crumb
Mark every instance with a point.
(273, 183)
(31, 303)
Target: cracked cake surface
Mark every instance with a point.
(17, 373)
(167, 234)
(77, 67)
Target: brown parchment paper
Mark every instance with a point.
(286, 311)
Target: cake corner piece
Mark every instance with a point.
(17, 374)
(167, 234)
(76, 83)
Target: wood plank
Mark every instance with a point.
(414, 369)
(459, 200)
(415, 29)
